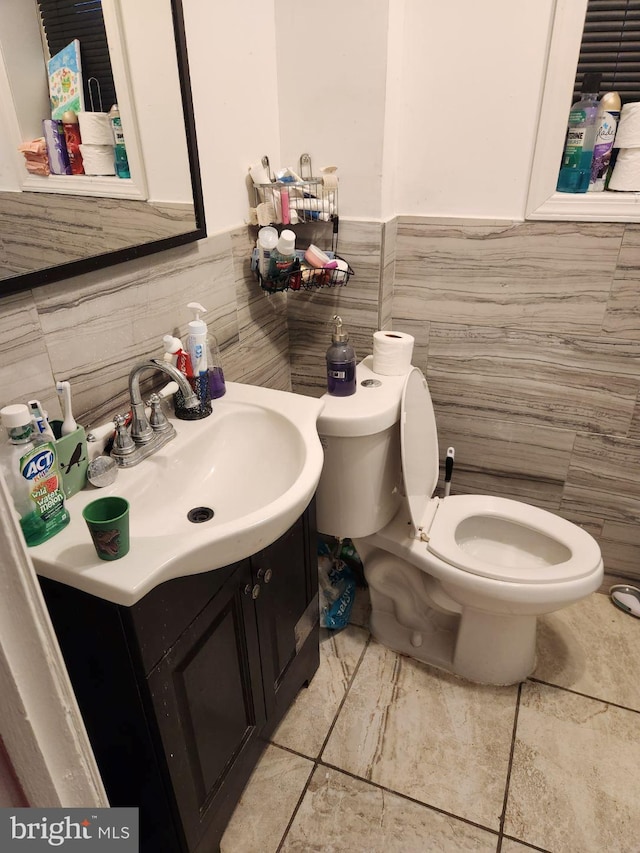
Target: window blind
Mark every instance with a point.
(611, 45)
(65, 20)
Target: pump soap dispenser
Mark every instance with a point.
(341, 363)
(205, 347)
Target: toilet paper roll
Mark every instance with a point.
(98, 159)
(392, 353)
(626, 172)
(628, 132)
(95, 128)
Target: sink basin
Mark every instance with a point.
(223, 489)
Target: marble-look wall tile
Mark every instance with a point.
(63, 228)
(99, 324)
(585, 383)
(261, 356)
(310, 312)
(92, 328)
(37, 235)
(389, 237)
(622, 318)
(634, 427)
(25, 369)
(620, 544)
(604, 478)
(144, 222)
(537, 275)
(506, 458)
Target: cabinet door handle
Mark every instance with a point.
(264, 574)
(253, 589)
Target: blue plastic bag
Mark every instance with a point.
(337, 590)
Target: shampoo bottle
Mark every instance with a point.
(341, 363)
(267, 242)
(30, 466)
(575, 172)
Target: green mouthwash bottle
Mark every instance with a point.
(30, 468)
(575, 171)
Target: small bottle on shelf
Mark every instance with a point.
(283, 256)
(120, 150)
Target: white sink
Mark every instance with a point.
(255, 462)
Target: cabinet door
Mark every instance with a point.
(209, 707)
(287, 609)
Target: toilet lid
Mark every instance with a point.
(475, 533)
(419, 445)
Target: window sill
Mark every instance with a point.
(85, 185)
(606, 206)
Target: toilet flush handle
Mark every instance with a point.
(448, 470)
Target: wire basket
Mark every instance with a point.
(301, 276)
(292, 202)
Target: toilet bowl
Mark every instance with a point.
(457, 582)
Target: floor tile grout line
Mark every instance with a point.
(407, 797)
(584, 695)
(509, 768)
(316, 761)
(527, 844)
(296, 808)
(356, 669)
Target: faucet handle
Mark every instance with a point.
(122, 443)
(157, 418)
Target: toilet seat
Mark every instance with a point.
(477, 533)
(472, 533)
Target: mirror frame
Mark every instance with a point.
(118, 256)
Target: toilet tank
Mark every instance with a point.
(361, 481)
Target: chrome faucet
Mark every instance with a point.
(147, 435)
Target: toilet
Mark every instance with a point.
(456, 582)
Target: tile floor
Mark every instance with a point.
(383, 754)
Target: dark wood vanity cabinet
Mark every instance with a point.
(180, 692)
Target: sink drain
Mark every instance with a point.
(199, 514)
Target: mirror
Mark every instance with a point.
(47, 236)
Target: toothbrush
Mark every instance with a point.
(448, 470)
(68, 424)
(40, 418)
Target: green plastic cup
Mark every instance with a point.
(108, 523)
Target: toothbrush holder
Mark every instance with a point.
(73, 458)
(200, 386)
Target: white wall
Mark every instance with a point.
(332, 78)
(472, 81)
(235, 93)
(427, 108)
(24, 98)
(158, 102)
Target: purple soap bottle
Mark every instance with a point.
(341, 363)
